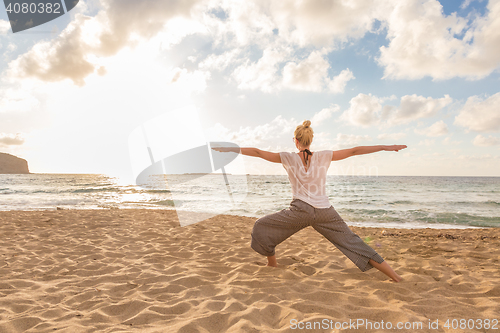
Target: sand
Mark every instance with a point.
(139, 271)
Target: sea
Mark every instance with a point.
(370, 201)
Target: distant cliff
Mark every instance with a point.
(12, 164)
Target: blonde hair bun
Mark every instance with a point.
(304, 133)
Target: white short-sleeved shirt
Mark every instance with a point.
(308, 186)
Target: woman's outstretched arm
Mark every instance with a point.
(256, 152)
(345, 153)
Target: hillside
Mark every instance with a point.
(12, 164)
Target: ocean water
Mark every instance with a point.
(374, 201)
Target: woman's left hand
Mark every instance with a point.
(396, 147)
(226, 149)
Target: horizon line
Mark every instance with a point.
(237, 174)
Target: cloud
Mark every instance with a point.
(298, 23)
(480, 115)
(363, 111)
(4, 27)
(425, 42)
(284, 31)
(465, 4)
(73, 53)
(368, 110)
(311, 74)
(11, 139)
(422, 39)
(439, 128)
(253, 136)
(413, 107)
(238, 24)
(221, 61)
(261, 74)
(482, 141)
(338, 83)
(308, 75)
(320, 23)
(324, 114)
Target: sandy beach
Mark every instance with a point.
(139, 271)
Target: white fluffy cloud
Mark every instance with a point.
(413, 107)
(283, 30)
(482, 141)
(119, 24)
(439, 128)
(324, 114)
(74, 54)
(302, 23)
(480, 115)
(422, 39)
(307, 75)
(253, 136)
(425, 42)
(311, 74)
(220, 62)
(11, 139)
(339, 82)
(4, 27)
(368, 110)
(261, 74)
(364, 110)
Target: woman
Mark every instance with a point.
(310, 206)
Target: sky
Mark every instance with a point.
(420, 73)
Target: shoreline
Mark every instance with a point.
(389, 225)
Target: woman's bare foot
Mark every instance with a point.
(271, 261)
(386, 269)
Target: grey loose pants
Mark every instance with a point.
(272, 229)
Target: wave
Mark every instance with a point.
(163, 203)
(420, 216)
(487, 203)
(156, 191)
(402, 202)
(96, 189)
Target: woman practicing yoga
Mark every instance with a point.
(310, 206)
